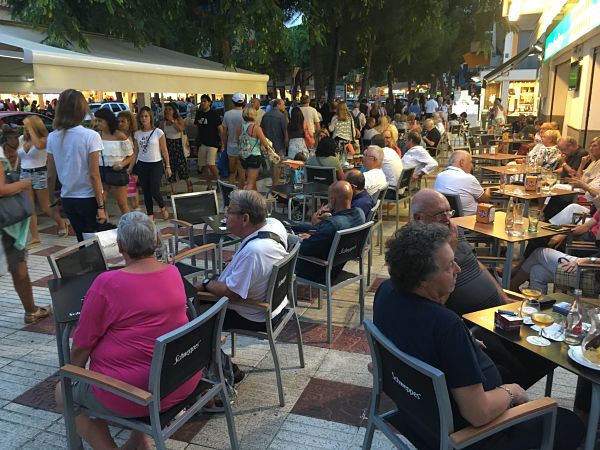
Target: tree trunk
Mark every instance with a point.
(316, 58)
(364, 85)
(390, 83)
(331, 90)
(302, 81)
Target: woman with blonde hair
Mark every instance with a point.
(74, 155)
(342, 124)
(250, 135)
(546, 153)
(32, 152)
(384, 124)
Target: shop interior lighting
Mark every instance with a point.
(514, 10)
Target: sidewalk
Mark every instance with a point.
(326, 402)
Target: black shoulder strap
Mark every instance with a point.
(265, 235)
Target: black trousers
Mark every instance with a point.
(81, 212)
(150, 175)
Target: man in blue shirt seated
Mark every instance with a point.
(338, 214)
(360, 198)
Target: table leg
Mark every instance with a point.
(590, 437)
(510, 247)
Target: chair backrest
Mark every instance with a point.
(418, 390)
(321, 175)
(193, 207)
(472, 143)
(183, 352)
(380, 194)
(348, 244)
(373, 212)
(225, 189)
(281, 278)
(486, 138)
(84, 257)
(455, 129)
(455, 204)
(404, 179)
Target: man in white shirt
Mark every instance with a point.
(416, 156)
(431, 106)
(375, 179)
(311, 116)
(457, 179)
(246, 277)
(362, 120)
(392, 163)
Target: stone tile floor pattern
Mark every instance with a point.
(326, 402)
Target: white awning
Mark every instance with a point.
(27, 65)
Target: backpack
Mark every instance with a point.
(246, 144)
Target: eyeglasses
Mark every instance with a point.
(229, 212)
(441, 215)
(369, 156)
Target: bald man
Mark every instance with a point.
(476, 289)
(458, 180)
(339, 215)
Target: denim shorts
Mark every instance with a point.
(38, 177)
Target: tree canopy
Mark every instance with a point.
(381, 40)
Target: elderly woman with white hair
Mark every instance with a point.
(124, 312)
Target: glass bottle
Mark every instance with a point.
(574, 329)
(509, 222)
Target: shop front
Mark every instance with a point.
(571, 72)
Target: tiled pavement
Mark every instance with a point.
(326, 402)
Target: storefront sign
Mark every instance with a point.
(583, 18)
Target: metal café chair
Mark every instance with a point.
(83, 257)
(178, 356)
(347, 245)
(400, 192)
(324, 176)
(422, 412)
(225, 189)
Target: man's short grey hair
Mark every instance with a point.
(569, 140)
(377, 152)
(456, 156)
(137, 234)
(251, 203)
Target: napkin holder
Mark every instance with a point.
(507, 322)
(485, 213)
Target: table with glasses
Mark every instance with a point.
(556, 352)
(291, 192)
(498, 158)
(511, 169)
(497, 231)
(518, 192)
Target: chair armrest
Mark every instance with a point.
(515, 295)
(509, 417)
(208, 296)
(312, 259)
(589, 266)
(182, 223)
(166, 235)
(133, 393)
(193, 251)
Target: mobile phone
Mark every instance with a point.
(553, 227)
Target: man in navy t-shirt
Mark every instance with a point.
(360, 198)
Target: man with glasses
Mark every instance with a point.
(375, 179)
(475, 290)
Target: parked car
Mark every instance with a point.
(15, 118)
(115, 107)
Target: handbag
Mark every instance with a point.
(309, 139)
(14, 208)
(185, 143)
(114, 177)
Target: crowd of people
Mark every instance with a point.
(434, 272)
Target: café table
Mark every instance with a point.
(510, 169)
(498, 158)
(497, 231)
(519, 192)
(556, 352)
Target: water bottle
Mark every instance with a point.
(574, 330)
(509, 222)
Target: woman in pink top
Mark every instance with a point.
(123, 313)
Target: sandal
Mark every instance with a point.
(40, 313)
(63, 232)
(165, 214)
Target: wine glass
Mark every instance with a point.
(542, 320)
(530, 305)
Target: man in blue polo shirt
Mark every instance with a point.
(360, 198)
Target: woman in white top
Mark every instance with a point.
(128, 125)
(150, 150)
(174, 128)
(74, 155)
(32, 152)
(114, 158)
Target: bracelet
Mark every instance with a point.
(510, 394)
(100, 206)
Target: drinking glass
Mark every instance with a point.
(503, 178)
(518, 210)
(542, 320)
(534, 218)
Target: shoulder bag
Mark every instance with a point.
(14, 208)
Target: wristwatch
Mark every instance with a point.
(207, 279)
(593, 260)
